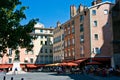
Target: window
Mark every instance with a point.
(45, 42)
(10, 60)
(50, 50)
(93, 12)
(81, 38)
(41, 42)
(96, 50)
(46, 59)
(31, 60)
(73, 41)
(41, 30)
(26, 60)
(69, 25)
(68, 30)
(82, 50)
(95, 23)
(26, 52)
(68, 42)
(41, 36)
(96, 36)
(73, 22)
(69, 53)
(51, 31)
(73, 51)
(10, 51)
(65, 54)
(62, 36)
(105, 11)
(45, 36)
(41, 50)
(31, 52)
(81, 28)
(81, 18)
(41, 59)
(46, 51)
(73, 29)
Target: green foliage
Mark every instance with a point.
(12, 33)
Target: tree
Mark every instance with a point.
(12, 33)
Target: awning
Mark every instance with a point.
(22, 65)
(71, 64)
(3, 66)
(68, 64)
(34, 65)
(31, 66)
(79, 61)
(103, 59)
(40, 65)
(55, 64)
(94, 63)
(63, 64)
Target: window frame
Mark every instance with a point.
(81, 38)
(96, 36)
(81, 28)
(95, 23)
(93, 12)
(106, 11)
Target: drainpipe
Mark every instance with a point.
(90, 35)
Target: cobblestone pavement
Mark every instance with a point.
(54, 76)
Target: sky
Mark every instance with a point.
(50, 11)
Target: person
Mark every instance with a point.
(59, 70)
(15, 72)
(4, 70)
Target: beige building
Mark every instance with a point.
(58, 46)
(42, 52)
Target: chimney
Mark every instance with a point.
(94, 2)
(80, 8)
(117, 1)
(58, 24)
(72, 11)
(99, 1)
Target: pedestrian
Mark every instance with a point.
(16, 71)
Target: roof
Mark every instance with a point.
(39, 25)
(106, 2)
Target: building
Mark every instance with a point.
(88, 33)
(116, 31)
(101, 34)
(42, 52)
(58, 46)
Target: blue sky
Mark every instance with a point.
(51, 11)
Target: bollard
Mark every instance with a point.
(4, 78)
(11, 78)
(22, 78)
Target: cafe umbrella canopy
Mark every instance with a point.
(68, 64)
(54, 64)
(63, 64)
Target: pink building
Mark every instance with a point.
(92, 33)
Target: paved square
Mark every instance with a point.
(54, 76)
